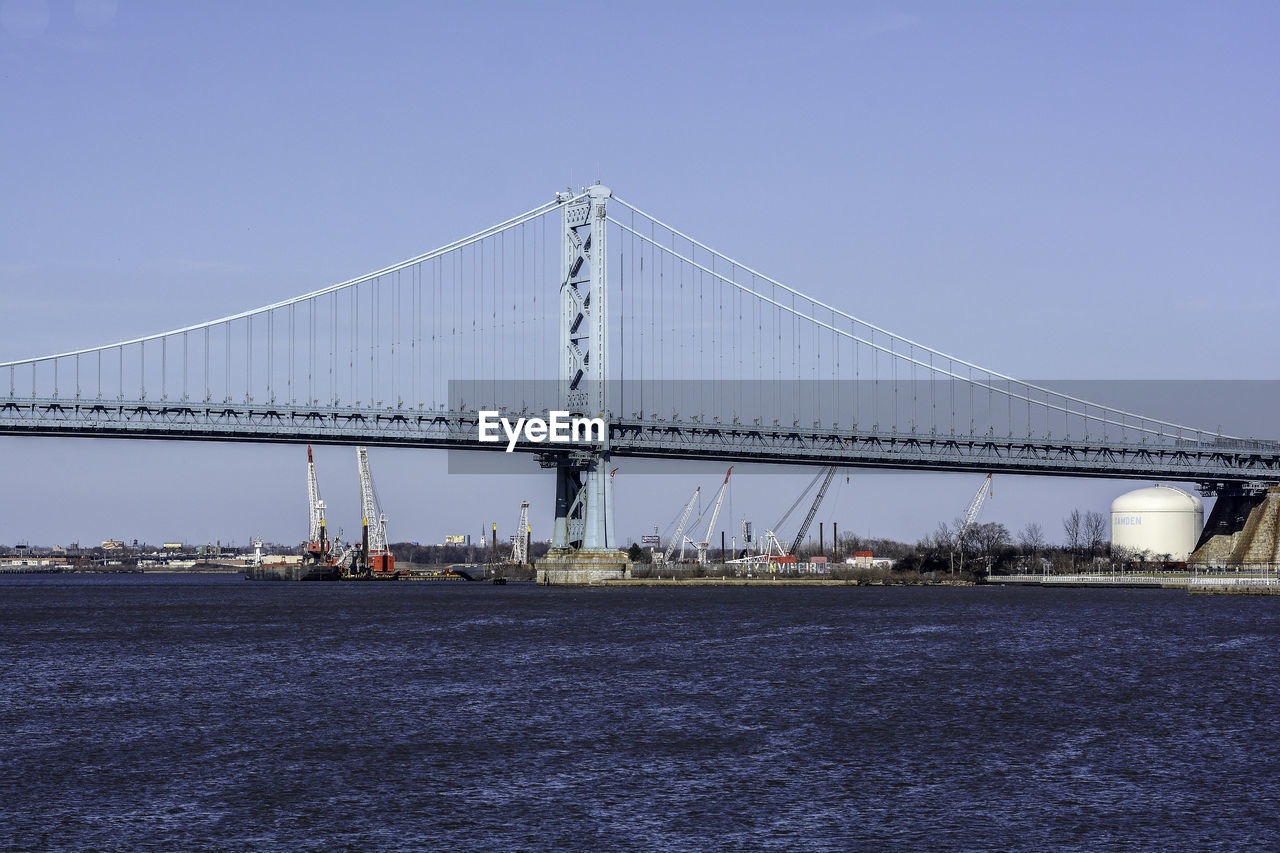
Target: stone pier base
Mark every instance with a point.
(582, 567)
(1241, 529)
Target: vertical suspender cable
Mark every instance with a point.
(497, 350)
(967, 383)
(1008, 388)
(271, 354)
(353, 323)
(226, 374)
(417, 337)
(334, 394)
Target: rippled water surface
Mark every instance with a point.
(211, 713)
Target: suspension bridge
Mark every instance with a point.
(590, 305)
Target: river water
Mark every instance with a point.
(151, 712)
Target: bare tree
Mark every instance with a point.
(938, 544)
(1031, 539)
(1094, 533)
(990, 538)
(941, 539)
(1072, 527)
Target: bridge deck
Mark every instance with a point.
(1175, 460)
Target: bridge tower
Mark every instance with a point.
(583, 546)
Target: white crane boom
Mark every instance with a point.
(772, 547)
(315, 506)
(373, 519)
(715, 514)
(318, 545)
(520, 545)
(813, 510)
(975, 507)
(678, 536)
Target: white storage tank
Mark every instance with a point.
(1159, 520)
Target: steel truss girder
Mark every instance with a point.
(1189, 462)
(1184, 461)
(265, 423)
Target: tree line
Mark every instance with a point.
(988, 548)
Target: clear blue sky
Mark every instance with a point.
(1056, 190)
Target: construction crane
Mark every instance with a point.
(711, 525)
(970, 516)
(317, 540)
(377, 556)
(520, 544)
(813, 510)
(678, 536)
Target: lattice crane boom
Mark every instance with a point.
(813, 509)
(678, 536)
(520, 545)
(316, 539)
(376, 552)
(369, 503)
(975, 507)
(715, 514)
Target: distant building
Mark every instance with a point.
(868, 560)
(15, 562)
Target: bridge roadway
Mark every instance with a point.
(1220, 462)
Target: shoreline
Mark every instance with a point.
(769, 581)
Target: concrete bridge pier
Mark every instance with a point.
(572, 566)
(583, 545)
